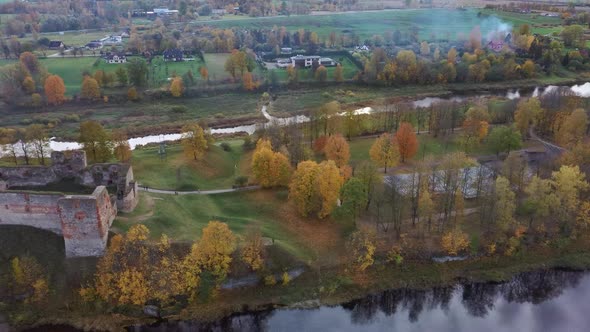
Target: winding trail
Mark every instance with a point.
(196, 192)
(550, 146)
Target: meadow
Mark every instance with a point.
(442, 23)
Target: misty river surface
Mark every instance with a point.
(538, 301)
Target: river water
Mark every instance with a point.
(539, 301)
(580, 90)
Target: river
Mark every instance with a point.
(538, 301)
(55, 145)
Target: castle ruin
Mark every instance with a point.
(83, 219)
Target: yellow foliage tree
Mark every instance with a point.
(302, 189)
(55, 90)
(270, 168)
(454, 242)
(329, 182)
(213, 251)
(177, 87)
(90, 88)
(132, 94)
(253, 250)
(29, 85)
(383, 152)
(362, 249)
(527, 113)
(573, 128)
(194, 141)
(248, 81)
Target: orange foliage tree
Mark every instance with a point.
(407, 142)
(55, 90)
(176, 87)
(337, 149)
(270, 168)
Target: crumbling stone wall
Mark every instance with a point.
(83, 220)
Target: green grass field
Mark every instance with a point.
(440, 22)
(217, 170)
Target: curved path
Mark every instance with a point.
(550, 146)
(196, 192)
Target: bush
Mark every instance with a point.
(179, 109)
(225, 146)
(270, 280)
(249, 144)
(286, 279)
(71, 118)
(241, 181)
(26, 122)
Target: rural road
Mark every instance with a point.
(550, 146)
(196, 192)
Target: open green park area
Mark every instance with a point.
(440, 22)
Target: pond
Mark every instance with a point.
(551, 300)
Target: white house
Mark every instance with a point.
(115, 58)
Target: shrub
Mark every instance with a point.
(26, 121)
(71, 118)
(179, 109)
(36, 99)
(286, 279)
(241, 181)
(249, 144)
(270, 280)
(225, 146)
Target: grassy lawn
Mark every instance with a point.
(183, 217)
(440, 22)
(217, 170)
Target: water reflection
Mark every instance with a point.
(539, 301)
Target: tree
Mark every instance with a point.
(568, 183)
(455, 241)
(248, 82)
(292, 74)
(528, 68)
(28, 85)
(337, 149)
(424, 48)
(452, 56)
(132, 94)
(407, 66)
(122, 150)
(253, 251)
(30, 62)
(505, 203)
(338, 76)
(99, 77)
(383, 152)
(95, 141)
(361, 246)
(90, 88)
(369, 176)
(573, 129)
(321, 74)
(406, 141)
(213, 251)
(527, 113)
(137, 71)
(29, 278)
(37, 136)
(504, 139)
(354, 196)
(204, 73)
(573, 36)
(193, 141)
(122, 77)
(475, 125)
(475, 38)
(515, 169)
(315, 188)
(176, 87)
(55, 90)
(541, 199)
(270, 168)
(329, 182)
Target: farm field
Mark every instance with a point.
(367, 24)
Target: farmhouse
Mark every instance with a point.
(496, 46)
(173, 54)
(93, 45)
(307, 61)
(116, 58)
(112, 40)
(56, 44)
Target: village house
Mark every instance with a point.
(56, 44)
(496, 46)
(93, 45)
(306, 61)
(173, 54)
(116, 58)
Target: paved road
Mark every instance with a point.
(550, 146)
(196, 192)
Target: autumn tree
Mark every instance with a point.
(569, 182)
(194, 142)
(121, 148)
(213, 251)
(455, 242)
(354, 197)
(36, 135)
(137, 71)
(406, 141)
(270, 168)
(55, 90)
(315, 188)
(177, 87)
(424, 48)
(248, 82)
(28, 85)
(475, 38)
(30, 62)
(292, 74)
(573, 129)
(96, 141)
(321, 74)
(384, 152)
(541, 200)
(337, 149)
(132, 94)
(338, 75)
(504, 139)
(253, 250)
(475, 126)
(370, 177)
(452, 55)
(361, 246)
(204, 72)
(29, 278)
(90, 88)
(122, 77)
(527, 113)
(505, 203)
(407, 66)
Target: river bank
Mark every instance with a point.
(334, 286)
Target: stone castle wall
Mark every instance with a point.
(83, 220)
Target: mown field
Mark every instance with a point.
(440, 22)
